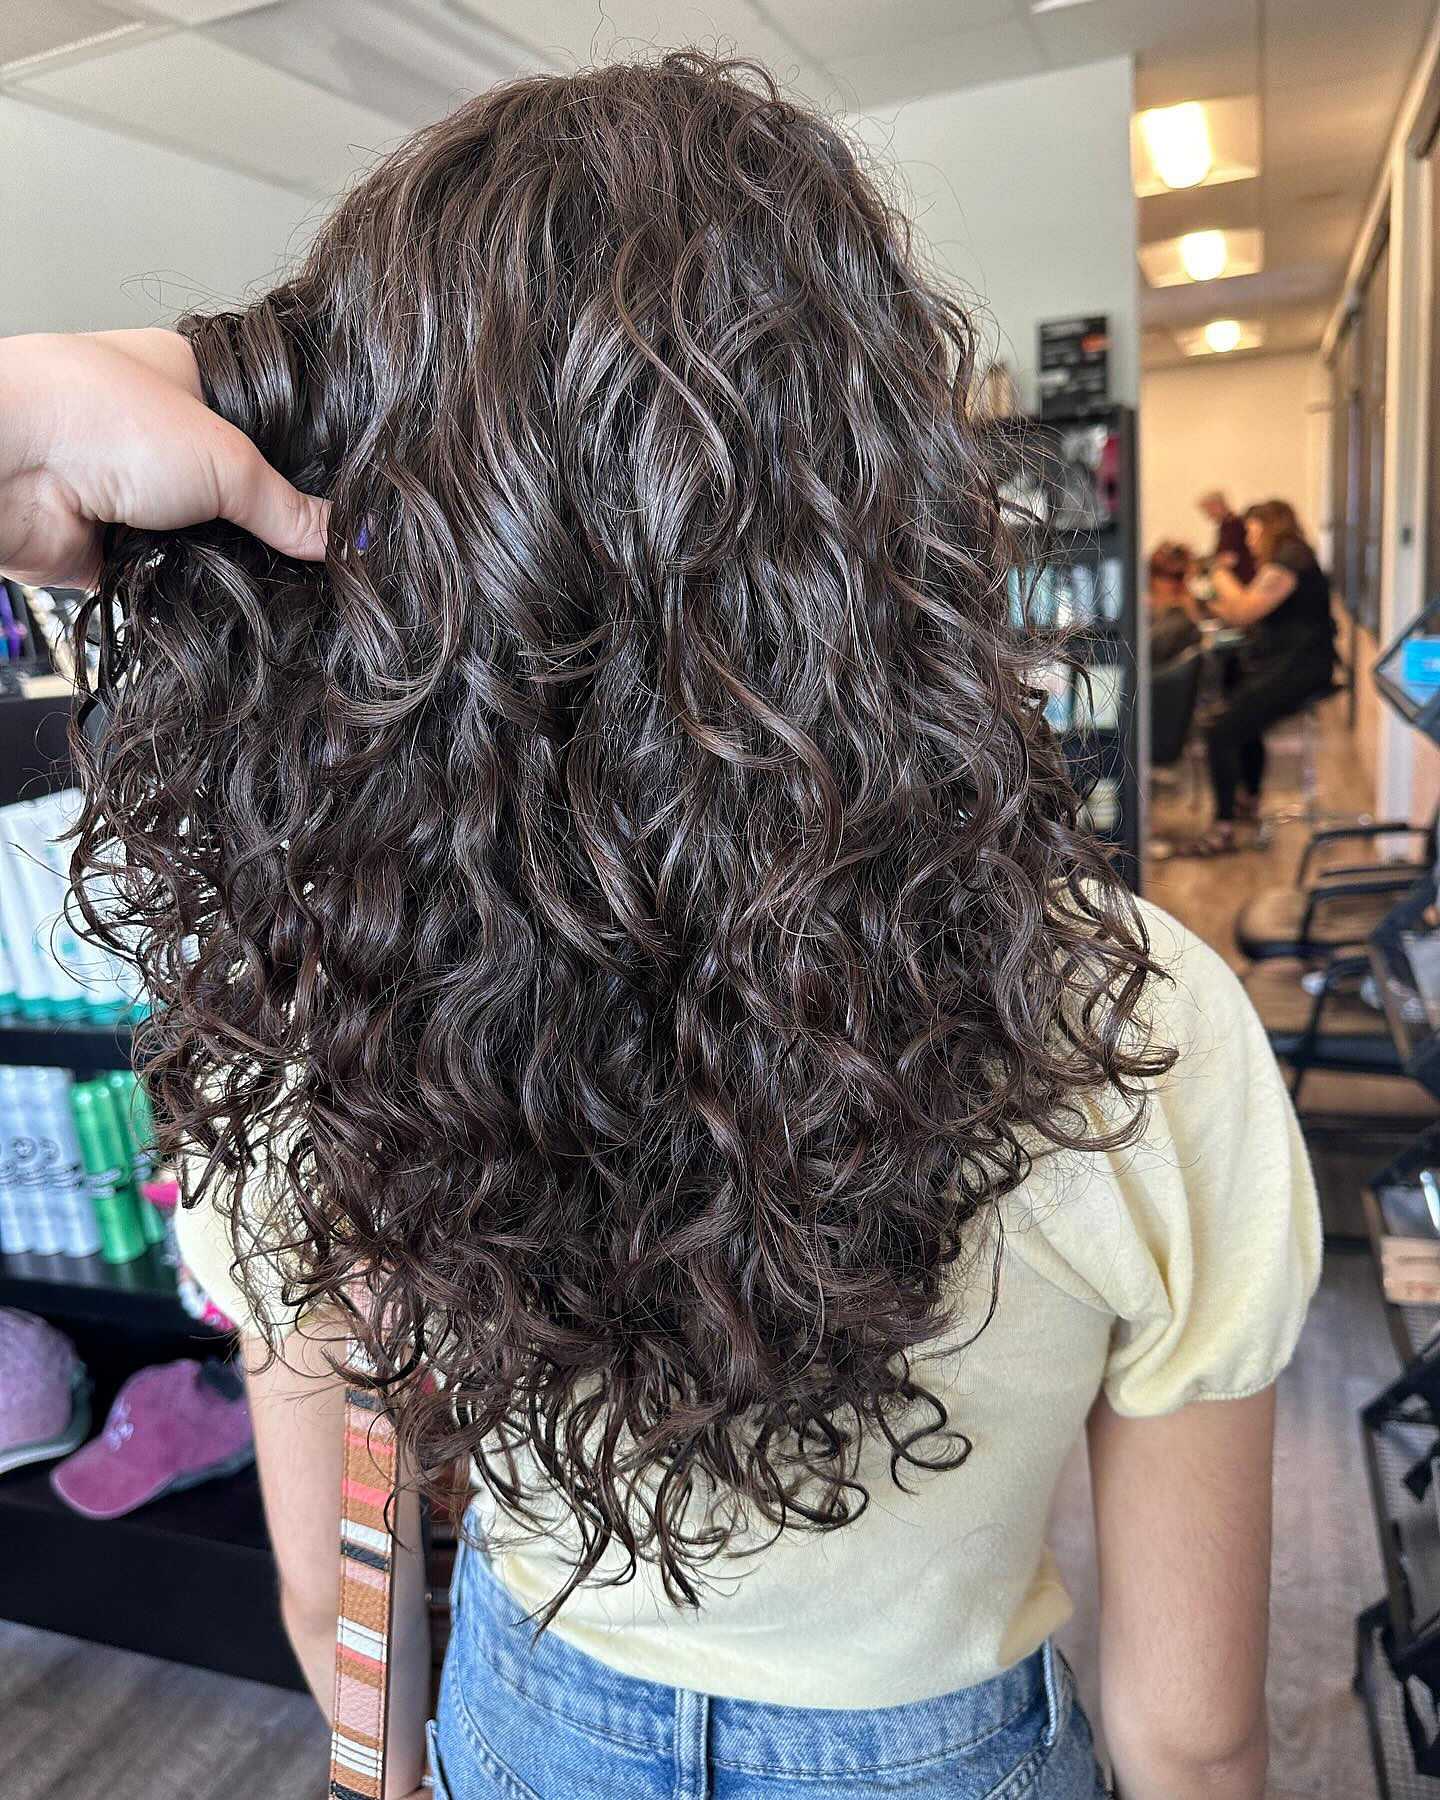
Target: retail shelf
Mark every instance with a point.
(70, 1289)
(86, 1048)
(190, 1577)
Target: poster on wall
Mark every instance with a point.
(1074, 376)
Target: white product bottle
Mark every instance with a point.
(25, 1164)
(43, 823)
(25, 832)
(64, 1185)
(27, 965)
(14, 1211)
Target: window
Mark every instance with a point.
(1432, 534)
(1358, 442)
(1375, 305)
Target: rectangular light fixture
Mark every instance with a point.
(1202, 256)
(1048, 6)
(1199, 143)
(1177, 140)
(1220, 337)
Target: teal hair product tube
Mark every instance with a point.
(69, 962)
(33, 999)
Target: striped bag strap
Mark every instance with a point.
(362, 1638)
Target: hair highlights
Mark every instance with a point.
(630, 892)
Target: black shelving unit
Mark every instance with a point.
(1031, 455)
(86, 1290)
(64, 1044)
(191, 1576)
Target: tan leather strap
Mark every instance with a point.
(367, 1564)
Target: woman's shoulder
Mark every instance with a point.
(1200, 1237)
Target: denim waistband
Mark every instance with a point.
(572, 1686)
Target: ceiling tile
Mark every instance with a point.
(1311, 234)
(35, 28)
(197, 12)
(1315, 42)
(187, 91)
(1230, 207)
(1340, 120)
(411, 60)
(937, 65)
(1144, 27)
(1193, 302)
(850, 28)
(588, 31)
(1288, 330)
(1179, 71)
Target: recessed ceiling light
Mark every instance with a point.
(1044, 6)
(1203, 255)
(1222, 335)
(1178, 140)
(1195, 143)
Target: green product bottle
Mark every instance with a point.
(137, 1128)
(108, 1167)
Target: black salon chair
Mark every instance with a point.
(1174, 691)
(1330, 907)
(1332, 1028)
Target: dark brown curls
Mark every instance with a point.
(628, 898)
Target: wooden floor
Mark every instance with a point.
(78, 1722)
(1206, 893)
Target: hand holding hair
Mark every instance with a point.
(109, 427)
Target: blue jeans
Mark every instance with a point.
(551, 1723)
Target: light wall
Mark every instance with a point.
(1022, 191)
(106, 230)
(1255, 428)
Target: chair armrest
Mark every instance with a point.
(1340, 965)
(1334, 834)
(1415, 870)
(1397, 878)
(1321, 895)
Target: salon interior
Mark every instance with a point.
(1202, 244)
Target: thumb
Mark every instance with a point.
(259, 499)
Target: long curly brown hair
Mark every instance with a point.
(629, 896)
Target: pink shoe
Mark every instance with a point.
(169, 1428)
(44, 1392)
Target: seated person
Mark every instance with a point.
(1173, 611)
(1230, 539)
(1288, 657)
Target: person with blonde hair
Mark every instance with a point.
(1287, 659)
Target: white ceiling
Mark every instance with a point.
(302, 93)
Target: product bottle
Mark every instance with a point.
(137, 1125)
(27, 965)
(108, 1167)
(9, 993)
(27, 1163)
(15, 1232)
(43, 824)
(69, 962)
(65, 1184)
